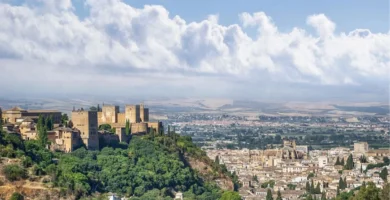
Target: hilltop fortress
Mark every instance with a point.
(137, 115)
(83, 127)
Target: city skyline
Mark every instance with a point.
(257, 50)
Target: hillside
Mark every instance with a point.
(149, 167)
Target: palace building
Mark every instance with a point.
(17, 115)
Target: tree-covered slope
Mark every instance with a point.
(149, 167)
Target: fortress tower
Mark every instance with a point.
(109, 114)
(87, 123)
(144, 115)
(132, 113)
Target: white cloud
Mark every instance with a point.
(324, 26)
(117, 37)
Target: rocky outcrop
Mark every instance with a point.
(208, 174)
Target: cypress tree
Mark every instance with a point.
(255, 178)
(40, 122)
(345, 182)
(127, 127)
(323, 196)
(349, 165)
(342, 162)
(312, 189)
(169, 130)
(217, 159)
(70, 124)
(337, 161)
(269, 195)
(384, 174)
(318, 188)
(42, 136)
(50, 125)
(307, 187)
(47, 122)
(279, 197)
(341, 184)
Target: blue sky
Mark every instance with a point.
(373, 15)
(289, 49)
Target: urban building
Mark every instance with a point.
(322, 161)
(360, 147)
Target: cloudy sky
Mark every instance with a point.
(294, 50)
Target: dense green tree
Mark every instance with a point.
(64, 119)
(309, 197)
(344, 196)
(279, 197)
(363, 159)
(106, 127)
(385, 194)
(269, 195)
(230, 195)
(17, 196)
(254, 178)
(342, 162)
(311, 175)
(291, 186)
(14, 172)
(270, 183)
(386, 160)
(383, 174)
(349, 165)
(370, 192)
